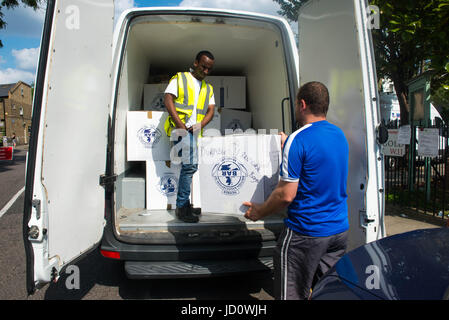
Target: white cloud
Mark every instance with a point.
(259, 6)
(26, 58)
(24, 21)
(11, 75)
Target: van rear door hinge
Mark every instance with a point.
(107, 181)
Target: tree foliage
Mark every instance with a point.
(290, 8)
(10, 4)
(413, 37)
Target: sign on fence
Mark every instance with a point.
(428, 142)
(404, 134)
(392, 147)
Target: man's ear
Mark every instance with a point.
(302, 104)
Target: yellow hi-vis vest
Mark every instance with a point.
(185, 101)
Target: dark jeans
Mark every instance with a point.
(300, 261)
(187, 150)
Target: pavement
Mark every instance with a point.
(399, 220)
(22, 147)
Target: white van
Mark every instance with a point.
(89, 78)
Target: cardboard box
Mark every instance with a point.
(161, 184)
(162, 178)
(153, 96)
(237, 168)
(233, 120)
(146, 138)
(131, 192)
(229, 92)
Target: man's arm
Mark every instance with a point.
(280, 198)
(209, 115)
(170, 105)
(207, 118)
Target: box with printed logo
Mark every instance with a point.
(162, 179)
(146, 138)
(153, 96)
(237, 168)
(235, 120)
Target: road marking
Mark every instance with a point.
(11, 202)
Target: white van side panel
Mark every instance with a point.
(329, 53)
(72, 135)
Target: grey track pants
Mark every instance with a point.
(300, 261)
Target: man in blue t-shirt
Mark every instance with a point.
(313, 178)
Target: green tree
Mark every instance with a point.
(413, 37)
(9, 4)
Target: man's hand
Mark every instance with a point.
(283, 138)
(253, 213)
(195, 128)
(279, 199)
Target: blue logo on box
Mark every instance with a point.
(149, 136)
(168, 185)
(229, 175)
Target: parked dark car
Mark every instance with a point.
(407, 266)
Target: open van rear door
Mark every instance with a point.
(335, 48)
(64, 202)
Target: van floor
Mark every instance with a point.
(162, 219)
(162, 227)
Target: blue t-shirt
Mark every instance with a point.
(316, 156)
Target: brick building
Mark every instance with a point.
(15, 111)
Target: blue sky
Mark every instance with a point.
(21, 37)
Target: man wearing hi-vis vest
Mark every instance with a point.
(190, 103)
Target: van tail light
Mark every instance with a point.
(110, 254)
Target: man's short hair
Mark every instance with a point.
(316, 96)
(204, 53)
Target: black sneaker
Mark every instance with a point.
(195, 211)
(185, 214)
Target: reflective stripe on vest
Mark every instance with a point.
(185, 101)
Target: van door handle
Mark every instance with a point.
(283, 116)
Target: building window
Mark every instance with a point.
(21, 90)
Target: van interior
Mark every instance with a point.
(156, 48)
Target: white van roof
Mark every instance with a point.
(283, 21)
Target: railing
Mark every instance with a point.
(416, 181)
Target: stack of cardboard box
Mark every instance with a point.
(232, 168)
(147, 141)
(230, 100)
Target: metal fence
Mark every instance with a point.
(416, 181)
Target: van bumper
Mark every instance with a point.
(187, 252)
